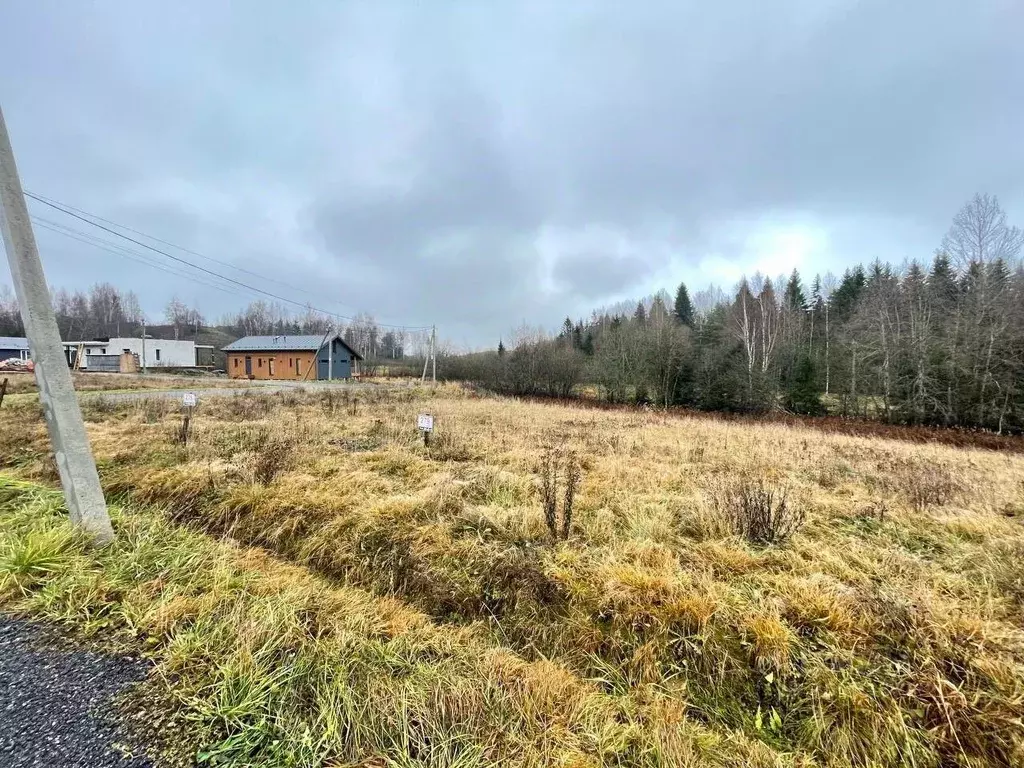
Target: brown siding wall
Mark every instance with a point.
(286, 365)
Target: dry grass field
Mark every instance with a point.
(21, 383)
(316, 587)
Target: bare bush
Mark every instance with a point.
(924, 483)
(328, 401)
(572, 474)
(248, 406)
(758, 512)
(447, 445)
(273, 455)
(99, 408)
(153, 409)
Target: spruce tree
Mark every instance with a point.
(641, 313)
(794, 298)
(803, 395)
(683, 307)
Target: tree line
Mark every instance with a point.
(937, 343)
(105, 311)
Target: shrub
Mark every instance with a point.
(759, 513)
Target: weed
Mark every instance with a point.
(99, 408)
(447, 445)
(924, 483)
(760, 513)
(273, 455)
(328, 400)
(549, 472)
(153, 409)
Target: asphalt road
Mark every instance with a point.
(57, 706)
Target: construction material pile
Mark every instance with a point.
(17, 366)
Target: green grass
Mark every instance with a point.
(267, 665)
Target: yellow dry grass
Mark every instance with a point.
(887, 631)
(21, 383)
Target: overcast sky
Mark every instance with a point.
(478, 164)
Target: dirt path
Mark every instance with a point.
(56, 705)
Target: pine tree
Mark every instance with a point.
(683, 307)
(501, 348)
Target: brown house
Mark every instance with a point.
(296, 358)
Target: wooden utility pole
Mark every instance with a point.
(75, 463)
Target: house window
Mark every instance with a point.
(236, 362)
(291, 362)
(270, 365)
(103, 351)
(259, 362)
(158, 354)
(298, 366)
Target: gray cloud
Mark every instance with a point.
(480, 164)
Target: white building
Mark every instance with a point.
(152, 353)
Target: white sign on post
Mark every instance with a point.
(189, 400)
(425, 422)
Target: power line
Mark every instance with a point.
(63, 205)
(232, 280)
(117, 250)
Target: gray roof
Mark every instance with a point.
(293, 343)
(13, 342)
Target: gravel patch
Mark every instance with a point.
(56, 706)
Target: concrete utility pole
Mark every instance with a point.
(430, 358)
(70, 444)
(330, 355)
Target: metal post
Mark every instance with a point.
(78, 476)
(433, 353)
(143, 345)
(330, 356)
